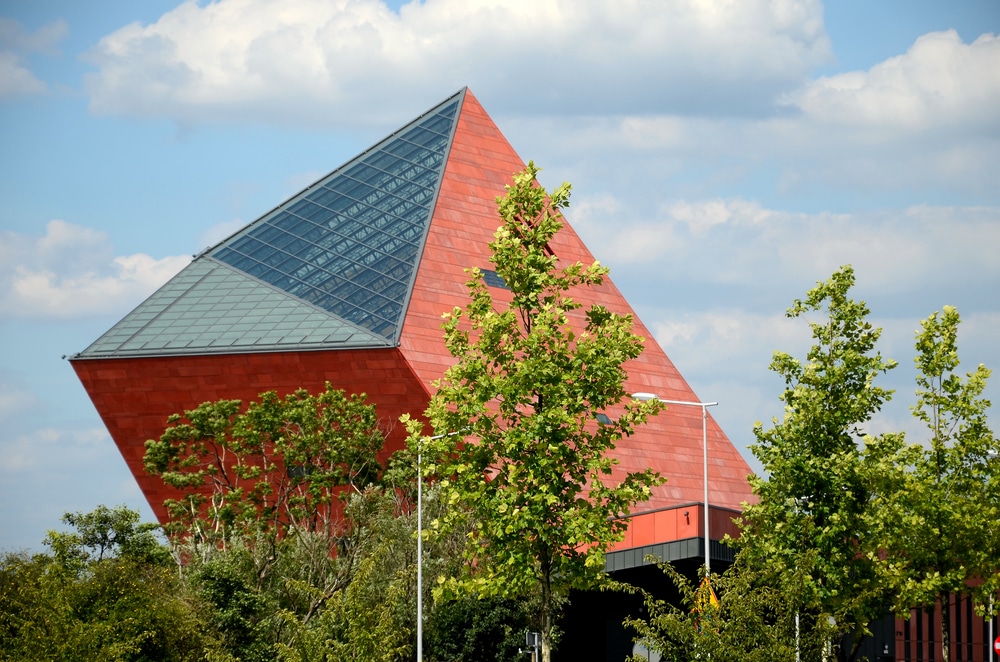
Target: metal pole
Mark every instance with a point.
(704, 444)
(420, 556)
(420, 543)
(796, 635)
(989, 644)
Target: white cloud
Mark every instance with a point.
(13, 36)
(940, 82)
(924, 121)
(71, 272)
(710, 240)
(39, 447)
(324, 62)
(16, 79)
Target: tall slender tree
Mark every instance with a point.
(936, 524)
(531, 467)
(814, 496)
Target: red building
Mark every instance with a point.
(346, 282)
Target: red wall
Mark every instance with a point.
(134, 396)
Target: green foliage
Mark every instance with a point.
(816, 498)
(373, 616)
(936, 518)
(238, 609)
(531, 376)
(844, 528)
(487, 630)
(105, 593)
(280, 467)
(753, 620)
(112, 532)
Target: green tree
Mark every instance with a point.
(816, 493)
(753, 619)
(484, 630)
(533, 371)
(373, 617)
(276, 510)
(108, 591)
(107, 532)
(935, 523)
(278, 468)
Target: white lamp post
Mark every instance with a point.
(704, 442)
(420, 544)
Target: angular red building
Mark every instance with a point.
(346, 282)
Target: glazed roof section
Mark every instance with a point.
(332, 267)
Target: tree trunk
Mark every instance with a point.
(945, 627)
(546, 616)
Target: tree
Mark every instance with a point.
(278, 468)
(531, 376)
(277, 506)
(107, 591)
(752, 619)
(816, 497)
(485, 630)
(112, 532)
(935, 524)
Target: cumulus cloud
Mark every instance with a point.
(16, 78)
(324, 62)
(724, 354)
(940, 81)
(37, 448)
(708, 239)
(923, 121)
(71, 271)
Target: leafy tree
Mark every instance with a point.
(485, 630)
(112, 532)
(373, 617)
(106, 592)
(753, 619)
(533, 371)
(816, 496)
(277, 506)
(936, 521)
(279, 467)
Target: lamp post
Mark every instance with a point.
(420, 543)
(704, 443)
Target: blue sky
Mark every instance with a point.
(724, 156)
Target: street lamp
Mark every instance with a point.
(704, 442)
(420, 543)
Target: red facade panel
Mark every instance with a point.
(134, 396)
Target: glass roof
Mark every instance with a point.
(350, 243)
(331, 267)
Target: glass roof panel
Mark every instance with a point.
(333, 264)
(355, 225)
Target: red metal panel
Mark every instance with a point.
(134, 396)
